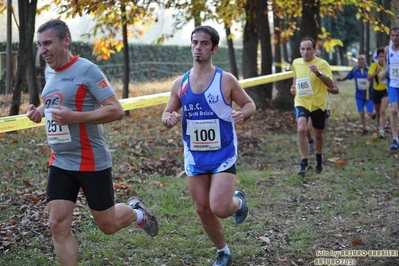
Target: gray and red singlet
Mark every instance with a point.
(81, 86)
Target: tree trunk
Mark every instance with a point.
(34, 97)
(385, 38)
(343, 56)
(250, 50)
(9, 56)
(266, 90)
(361, 36)
(286, 56)
(196, 12)
(277, 44)
(310, 23)
(382, 38)
(285, 44)
(309, 27)
(367, 44)
(26, 65)
(126, 67)
(232, 56)
(278, 47)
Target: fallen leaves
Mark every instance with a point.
(340, 163)
(356, 242)
(29, 219)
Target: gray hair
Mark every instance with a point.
(59, 27)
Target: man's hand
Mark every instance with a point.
(173, 119)
(293, 90)
(238, 117)
(62, 115)
(34, 114)
(314, 69)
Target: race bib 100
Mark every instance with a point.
(204, 134)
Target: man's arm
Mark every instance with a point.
(342, 79)
(240, 97)
(170, 117)
(111, 110)
(373, 72)
(384, 74)
(333, 90)
(323, 77)
(326, 80)
(293, 86)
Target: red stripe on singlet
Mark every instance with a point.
(87, 163)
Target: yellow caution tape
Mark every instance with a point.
(341, 68)
(144, 101)
(18, 122)
(266, 79)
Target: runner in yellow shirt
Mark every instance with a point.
(380, 93)
(312, 77)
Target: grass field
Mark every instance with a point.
(350, 208)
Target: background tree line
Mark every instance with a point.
(148, 62)
(271, 33)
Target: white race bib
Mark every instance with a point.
(383, 80)
(204, 134)
(303, 87)
(362, 83)
(394, 71)
(56, 133)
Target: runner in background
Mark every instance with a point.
(391, 66)
(333, 90)
(363, 93)
(380, 93)
(312, 77)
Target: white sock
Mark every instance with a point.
(140, 217)
(240, 206)
(225, 249)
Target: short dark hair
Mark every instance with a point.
(380, 50)
(59, 27)
(210, 31)
(394, 29)
(309, 39)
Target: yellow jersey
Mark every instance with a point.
(311, 92)
(379, 83)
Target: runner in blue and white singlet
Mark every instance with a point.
(209, 137)
(391, 65)
(206, 94)
(393, 74)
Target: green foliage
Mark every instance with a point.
(148, 62)
(3, 46)
(345, 26)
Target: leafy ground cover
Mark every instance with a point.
(351, 207)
